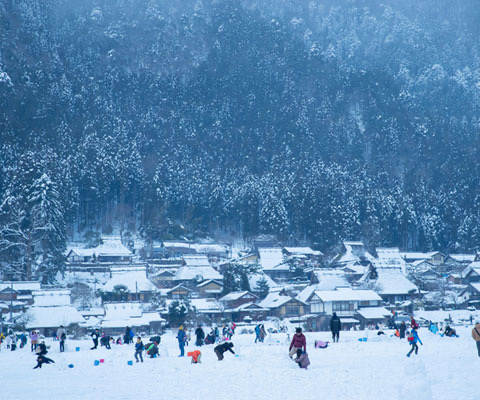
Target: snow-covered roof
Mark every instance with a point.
(274, 300)
(210, 248)
(248, 307)
(142, 320)
(347, 294)
(53, 317)
(196, 261)
(51, 297)
(329, 279)
(354, 252)
(355, 267)
(255, 278)
(389, 258)
(463, 257)
(373, 312)
(393, 282)
(134, 278)
(122, 310)
(190, 273)
(418, 255)
(206, 305)
(82, 252)
(21, 285)
(270, 257)
(93, 312)
(235, 295)
(112, 247)
(474, 266)
(208, 281)
(476, 286)
(303, 251)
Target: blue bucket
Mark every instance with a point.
(77, 348)
(130, 362)
(70, 365)
(96, 362)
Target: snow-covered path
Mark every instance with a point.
(446, 368)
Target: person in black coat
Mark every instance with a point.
(402, 329)
(95, 335)
(41, 349)
(105, 341)
(222, 348)
(200, 336)
(41, 359)
(335, 326)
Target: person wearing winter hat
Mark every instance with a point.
(476, 335)
(298, 342)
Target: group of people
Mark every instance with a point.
(11, 340)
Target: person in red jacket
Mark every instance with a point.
(298, 342)
(413, 323)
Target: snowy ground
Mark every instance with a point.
(445, 368)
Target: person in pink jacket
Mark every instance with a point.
(302, 359)
(298, 342)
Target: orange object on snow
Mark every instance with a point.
(397, 333)
(196, 355)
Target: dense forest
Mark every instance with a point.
(315, 121)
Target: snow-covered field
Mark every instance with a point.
(445, 368)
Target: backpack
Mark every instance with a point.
(410, 338)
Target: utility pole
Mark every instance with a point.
(11, 301)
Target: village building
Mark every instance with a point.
(210, 288)
(133, 281)
(52, 308)
(119, 315)
(281, 305)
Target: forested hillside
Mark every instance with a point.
(312, 120)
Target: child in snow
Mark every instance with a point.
(105, 341)
(139, 347)
(41, 359)
(320, 344)
(222, 348)
(413, 339)
(196, 356)
(302, 359)
(152, 349)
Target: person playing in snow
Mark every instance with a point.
(413, 323)
(413, 339)
(139, 347)
(200, 334)
(41, 359)
(257, 333)
(298, 342)
(210, 339)
(41, 349)
(95, 335)
(8, 341)
(23, 340)
(2, 338)
(222, 348)
(62, 336)
(217, 334)
(127, 338)
(319, 344)
(402, 330)
(335, 326)
(105, 341)
(302, 359)
(263, 333)
(196, 356)
(182, 338)
(450, 332)
(476, 335)
(152, 349)
(33, 340)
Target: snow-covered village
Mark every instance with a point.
(211, 199)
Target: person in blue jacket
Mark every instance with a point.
(181, 337)
(413, 339)
(139, 347)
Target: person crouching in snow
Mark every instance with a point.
(43, 360)
(196, 356)
(302, 359)
(413, 339)
(139, 347)
(319, 344)
(222, 348)
(298, 342)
